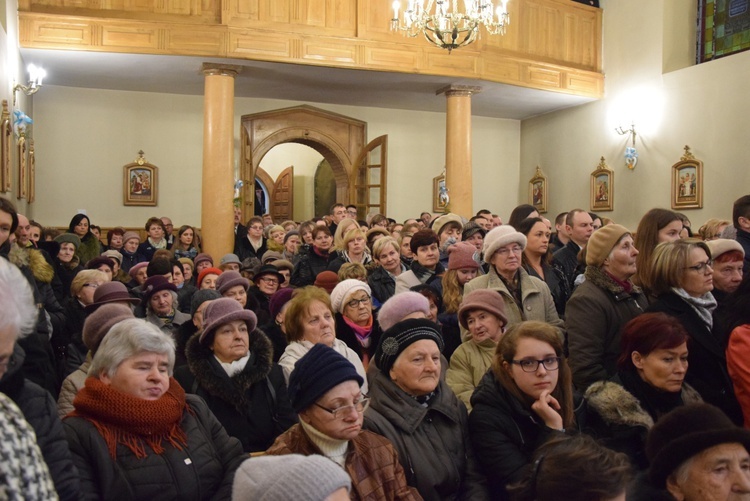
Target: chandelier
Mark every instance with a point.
(444, 24)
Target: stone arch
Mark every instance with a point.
(338, 138)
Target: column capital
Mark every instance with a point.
(458, 90)
(228, 70)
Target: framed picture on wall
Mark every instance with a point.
(23, 182)
(538, 191)
(687, 182)
(140, 183)
(439, 194)
(6, 136)
(602, 188)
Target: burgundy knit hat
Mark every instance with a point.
(422, 238)
(278, 300)
(95, 263)
(222, 311)
(229, 279)
(135, 268)
(201, 258)
(326, 280)
(98, 324)
(111, 292)
(463, 255)
(207, 271)
(488, 300)
(397, 307)
(157, 283)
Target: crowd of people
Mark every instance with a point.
(440, 358)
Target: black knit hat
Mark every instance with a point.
(685, 432)
(401, 336)
(319, 370)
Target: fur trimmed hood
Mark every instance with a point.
(34, 260)
(597, 277)
(616, 405)
(217, 383)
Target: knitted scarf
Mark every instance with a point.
(132, 421)
(703, 306)
(161, 244)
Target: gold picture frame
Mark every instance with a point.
(140, 183)
(32, 172)
(6, 136)
(438, 187)
(602, 188)
(538, 191)
(687, 182)
(23, 181)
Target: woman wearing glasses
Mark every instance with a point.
(325, 391)
(230, 366)
(681, 278)
(355, 323)
(525, 399)
(525, 297)
(266, 282)
(417, 411)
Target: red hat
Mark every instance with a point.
(207, 271)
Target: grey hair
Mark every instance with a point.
(127, 339)
(680, 475)
(175, 300)
(19, 310)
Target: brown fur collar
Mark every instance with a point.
(34, 260)
(597, 277)
(232, 390)
(616, 405)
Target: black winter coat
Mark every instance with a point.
(40, 410)
(204, 469)
(382, 284)
(505, 433)
(566, 260)
(245, 250)
(309, 265)
(277, 338)
(253, 405)
(259, 303)
(707, 361)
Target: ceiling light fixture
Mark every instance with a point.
(446, 25)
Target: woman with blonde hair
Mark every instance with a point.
(382, 278)
(342, 229)
(523, 401)
(712, 228)
(353, 250)
(276, 238)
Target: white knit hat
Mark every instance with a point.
(345, 289)
(500, 237)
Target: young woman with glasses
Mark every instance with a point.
(525, 399)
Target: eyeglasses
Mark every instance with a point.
(356, 302)
(702, 267)
(507, 250)
(270, 281)
(259, 228)
(93, 286)
(550, 364)
(360, 406)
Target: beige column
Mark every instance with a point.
(458, 147)
(217, 212)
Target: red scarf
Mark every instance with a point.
(132, 421)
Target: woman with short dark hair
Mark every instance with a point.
(155, 240)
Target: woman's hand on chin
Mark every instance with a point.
(547, 408)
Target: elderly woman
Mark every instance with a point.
(326, 392)
(314, 258)
(681, 278)
(207, 278)
(230, 366)
(114, 238)
(523, 401)
(426, 267)
(353, 250)
(309, 320)
(185, 246)
(135, 434)
(649, 383)
(130, 256)
(233, 285)
(525, 297)
(266, 282)
(355, 324)
(275, 329)
(160, 298)
(67, 265)
(482, 313)
(382, 279)
(90, 246)
(68, 343)
(729, 260)
(655, 227)
(292, 242)
(602, 305)
(138, 275)
(417, 411)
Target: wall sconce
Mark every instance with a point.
(631, 154)
(36, 75)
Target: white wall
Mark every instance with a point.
(85, 136)
(704, 106)
(305, 161)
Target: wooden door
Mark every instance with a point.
(282, 208)
(368, 182)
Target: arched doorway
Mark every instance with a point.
(339, 139)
